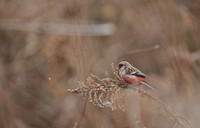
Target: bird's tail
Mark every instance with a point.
(152, 87)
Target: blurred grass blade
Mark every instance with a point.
(105, 29)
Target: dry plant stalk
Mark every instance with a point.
(81, 117)
(143, 50)
(110, 92)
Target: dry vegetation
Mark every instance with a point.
(47, 46)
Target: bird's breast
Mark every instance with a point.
(130, 80)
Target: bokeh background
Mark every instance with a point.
(47, 46)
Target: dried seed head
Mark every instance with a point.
(106, 92)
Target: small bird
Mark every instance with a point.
(133, 76)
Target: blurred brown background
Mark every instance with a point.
(46, 46)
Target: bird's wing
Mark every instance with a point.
(140, 74)
(152, 87)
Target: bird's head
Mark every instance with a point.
(123, 64)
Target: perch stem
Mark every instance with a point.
(81, 117)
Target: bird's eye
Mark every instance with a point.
(120, 65)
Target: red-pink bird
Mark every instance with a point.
(133, 76)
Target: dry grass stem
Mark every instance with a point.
(81, 117)
(143, 50)
(165, 110)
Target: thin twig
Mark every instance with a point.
(143, 50)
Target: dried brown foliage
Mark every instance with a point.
(106, 92)
(110, 92)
